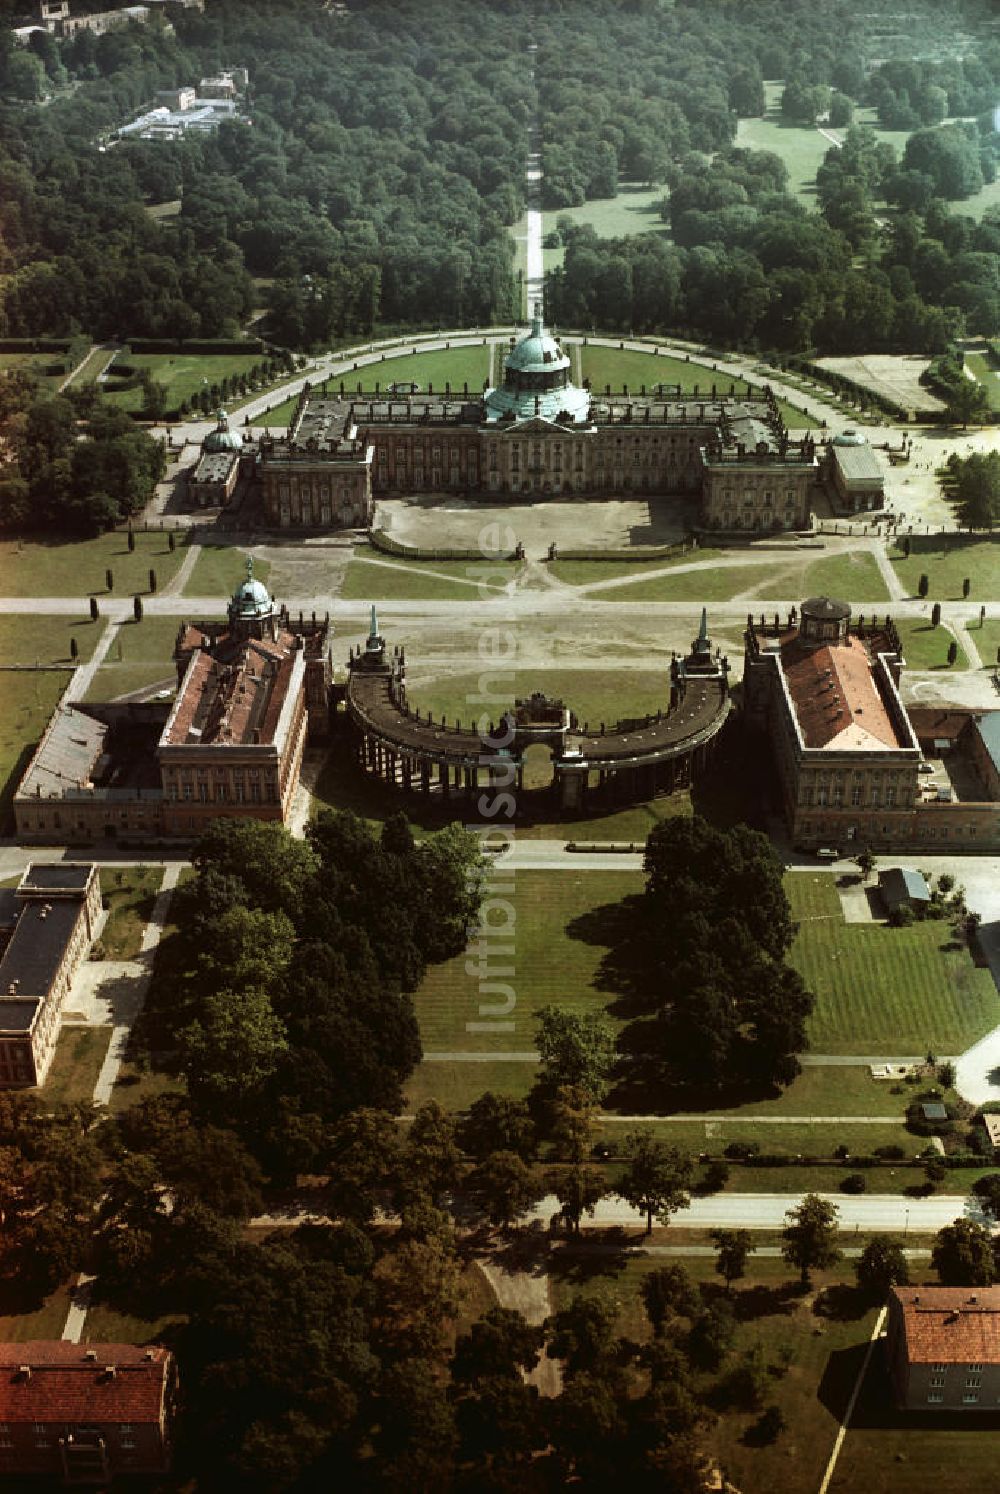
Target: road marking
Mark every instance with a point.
(842, 1433)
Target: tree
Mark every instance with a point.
(865, 862)
(504, 1186)
(667, 1293)
(952, 652)
(499, 1346)
(967, 587)
(430, 1157)
(734, 1248)
(657, 1177)
(74, 649)
(94, 610)
(575, 1048)
(152, 581)
(809, 1237)
(131, 538)
(109, 580)
(936, 614)
(962, 1254)
(923, 585)
(498, 1123)
(137, 607)
(881, 1265)
(968, 401)
(579, 1189)
(987, 1190)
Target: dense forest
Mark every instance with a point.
(381, 168)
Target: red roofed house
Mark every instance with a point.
(85, 1412)
(943, 1348)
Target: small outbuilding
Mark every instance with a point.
(900, 887)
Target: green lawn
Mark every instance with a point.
(115, 681)
(77, 568)
(280, 416)
(802, 150)
(105, 1325)
(925, 647)
(947, 560)
(26, 702)
(856, 578)
(713, 584)
(986, 374)
(80, 1052)
(550, 964)
(219, 570)
(892, 991)
(633, 209)
(37, 638)
(183, 374)
(452, 581)
(453, 366)
(813, 894)
(129, 894)
(594, 694)
(987, 641)
(621, 367)
(38, 364)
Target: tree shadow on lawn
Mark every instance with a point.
(582, 1261)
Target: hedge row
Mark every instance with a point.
(380, 540)
(195, 345)
(34, 344)
(653, 552)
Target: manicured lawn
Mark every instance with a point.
(855, 578)
(147, 642)
(129, 894)
(925, 647)
(947, 560)
(220, 569)
(794, 418)
(813, 895)
(892, 991)
(183, 374)
(115, 681)
(453, 366)
(550, 964)
(452, 581)
(34, 638)
(714, 1135)
(47, 1321)
(26, 703)
(456, 1085)
(986, 374)
(987, 641)
(280, 416)
(802, 150)
(134, 1085)
(713, 584)
(594, 694)
(621, 367)
(586, 572)
(80, 1052)
(106, 1326)
(77, 568)
(37, 364)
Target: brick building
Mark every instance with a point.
(540, 435)
(943, 1348)
(84, 1413)
(47, 925)
(251, 692)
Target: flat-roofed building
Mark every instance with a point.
(942, 1348)
(855, 474)
(46, 928)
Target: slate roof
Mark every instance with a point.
(64, 1385)
(67, 755)
(951, 1325)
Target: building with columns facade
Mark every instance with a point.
(539, 435)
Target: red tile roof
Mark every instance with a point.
(65, 1385)
(837, 702)
(951, 1325)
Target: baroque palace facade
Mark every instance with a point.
(539, 435)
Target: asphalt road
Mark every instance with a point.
(870, 1211)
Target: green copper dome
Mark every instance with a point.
(222, 438)
(251, 599)
(537, 353)
(536, 381)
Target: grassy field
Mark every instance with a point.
(633, 209)
(987, 641)
(77, 568)
(892, 991)
(594, 694)
(623, 367)
(925, 647)
(129, 894)
(452, 581)
(802, 149)
(453, 366)
(35, 638)
(116, 681)
(713, 584)
(219, 570)
(105, 1325)
(856, 578)
(551, 965)
(36, 364)
(80, 1052)
(986, 374)
(26, 703)
(183, 374)
(947, 560)
(280, 416)
(146, 642)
